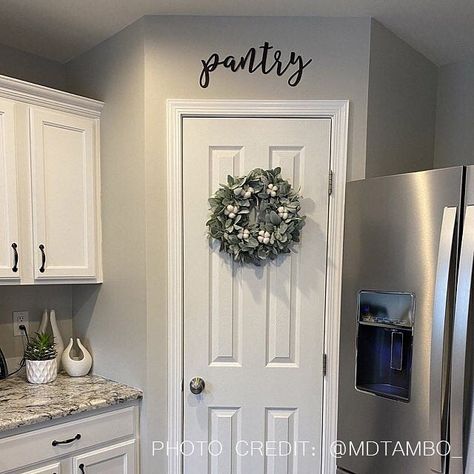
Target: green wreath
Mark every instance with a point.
(256, 217)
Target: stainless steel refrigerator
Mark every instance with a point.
(407, 331)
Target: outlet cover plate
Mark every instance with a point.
(19, 318)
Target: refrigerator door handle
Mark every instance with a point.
(437, 339)
(460, 334)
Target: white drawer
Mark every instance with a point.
(37, 446)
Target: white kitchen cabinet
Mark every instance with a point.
(49, 186)
(116, 459)
(105, 443)
(63, 195)
(8, 195)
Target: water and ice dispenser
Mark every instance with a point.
(385, 322)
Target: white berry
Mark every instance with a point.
(285, 215)
(262, 232)
(275, 188)
(260, 238)
(281, 209)
(266, 240)
(230, 208)
(231, 215)
(273, 194)
(267, 234)
(247, 194)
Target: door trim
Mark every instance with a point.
(338, 112)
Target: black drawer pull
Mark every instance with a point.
(81, 467)
(15, 256)
(67, 441)
(43, 258)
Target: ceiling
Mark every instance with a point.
(443, 30)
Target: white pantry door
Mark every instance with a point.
(254, 334)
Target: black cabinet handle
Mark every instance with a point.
(81, 467)
(43, 258)
(67, 441)
(15, 256)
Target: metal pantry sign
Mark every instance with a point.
(264, 59)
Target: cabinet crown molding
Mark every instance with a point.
(35, 94)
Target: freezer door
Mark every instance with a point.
(400, 239)
(462, 402)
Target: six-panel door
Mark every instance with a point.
(63, 195)
(9, 232)
(254, 334)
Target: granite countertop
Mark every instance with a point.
(22, 403)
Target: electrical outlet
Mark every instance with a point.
(19, 318)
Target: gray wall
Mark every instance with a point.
(455, 115)
(112, 316)
(33, 299)
(15, 63)
(31, 68)
(339, 49)
(401, 106)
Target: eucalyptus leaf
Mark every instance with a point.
(252, 242)
(275, 219)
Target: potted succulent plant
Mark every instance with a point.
(40, 357)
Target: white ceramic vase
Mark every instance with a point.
(41, 371)
(58, 340)
(44, 321)
(76, 366)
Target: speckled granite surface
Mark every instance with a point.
(22, 403)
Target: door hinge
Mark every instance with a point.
(331, 174)
(325, 365)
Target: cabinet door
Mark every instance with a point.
(63, 164)
(116, 459)
(8, 193)
(49, 469)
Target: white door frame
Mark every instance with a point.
(338, 112)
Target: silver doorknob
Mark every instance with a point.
(197, 385)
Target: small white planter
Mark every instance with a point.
(41, 371)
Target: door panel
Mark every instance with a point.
(392, 235)
(254, 334)
(8, 192)
(64, 221)
(50, 469)
(116, 459)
